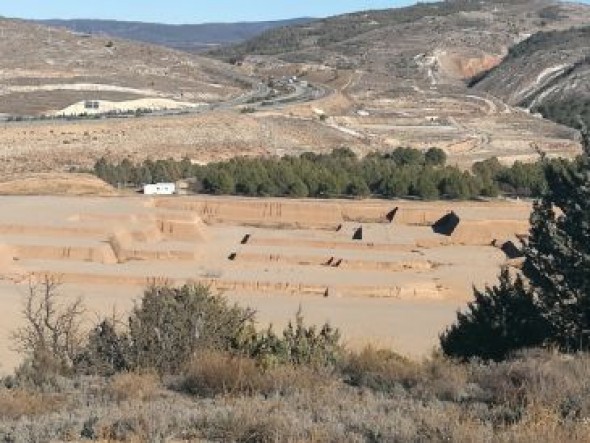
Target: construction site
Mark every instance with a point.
(381, 271)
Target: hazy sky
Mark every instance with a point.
(188, 11)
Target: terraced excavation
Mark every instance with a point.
(383, 257)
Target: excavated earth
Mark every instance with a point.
(376, 269)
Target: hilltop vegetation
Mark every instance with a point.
(404, 172)
(323, 33)
(574, 113)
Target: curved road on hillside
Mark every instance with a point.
(258, 97)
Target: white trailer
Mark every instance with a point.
(159, 189)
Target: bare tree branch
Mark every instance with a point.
(52, 329)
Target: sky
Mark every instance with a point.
(188, 11)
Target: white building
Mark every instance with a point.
(159, 189)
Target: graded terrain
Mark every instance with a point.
(376, 269)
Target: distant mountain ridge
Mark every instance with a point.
(186, 37)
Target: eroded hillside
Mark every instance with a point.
(548, 72)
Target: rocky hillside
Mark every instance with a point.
(45, 69)
(548, 73)
(191, 38)
(465, 37)
(406, 71)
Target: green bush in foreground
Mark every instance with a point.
(168, 329)
(549, 304)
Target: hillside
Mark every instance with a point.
(547, 73)
(370, 81)
(390, 39)
(405, 72)
(192, 38)
(45, 69)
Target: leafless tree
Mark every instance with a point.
(52, 331)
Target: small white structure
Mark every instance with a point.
(159, 189)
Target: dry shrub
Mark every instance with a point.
(288, 380)
(133, 386)
(380, 369)
(249, 426)
(16, 403)
(542, 379)
(214, 373)
(445, 379)
(540, 423)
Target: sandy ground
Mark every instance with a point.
(398, 286)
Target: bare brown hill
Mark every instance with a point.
(45, 69)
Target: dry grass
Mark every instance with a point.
(214, 374)
(17, 403)
(380, 369)
(129, 386)
(536, 397)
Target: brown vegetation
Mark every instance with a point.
(297, 386)
(537, 396)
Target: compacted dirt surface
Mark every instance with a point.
(375, 269)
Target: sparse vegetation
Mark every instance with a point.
(376, 396)
(335, 30)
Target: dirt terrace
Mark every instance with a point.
(273, 254)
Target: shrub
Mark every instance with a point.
(213, 373)
(500, 320)
(165, 330)
(51, 337)
(16, 403)
(379, 369)
(298, 345)
(171, 324)
(133, 386)
(106, 352)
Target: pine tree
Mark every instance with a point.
(499, 320)
(558, 251)
(550, 304)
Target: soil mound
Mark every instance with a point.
(55, 184)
